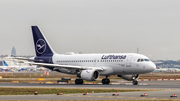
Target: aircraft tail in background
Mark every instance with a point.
(5, 64)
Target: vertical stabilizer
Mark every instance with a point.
(42, 47)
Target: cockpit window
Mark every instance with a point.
(142, 60)
(146, 60)
(138, 60)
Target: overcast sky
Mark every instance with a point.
(93, 26)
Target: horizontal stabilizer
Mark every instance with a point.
(21, 58)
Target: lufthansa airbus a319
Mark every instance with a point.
(89, 66)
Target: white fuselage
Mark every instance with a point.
(112, 64)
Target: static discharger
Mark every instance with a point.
(116, 94)
(144, 95)
(60, 93)
(86, 93)
(35, 93)
(173, 95)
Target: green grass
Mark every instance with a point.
(99, 100)
(25, 91)
(121, 100)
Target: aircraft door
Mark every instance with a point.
(128, 61)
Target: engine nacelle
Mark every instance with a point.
(89, 75)
(129, 77)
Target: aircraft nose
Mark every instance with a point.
(153, 66)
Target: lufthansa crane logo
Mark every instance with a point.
(40, 46)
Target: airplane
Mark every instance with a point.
(6, 67)
(16, 67)
(89, 66)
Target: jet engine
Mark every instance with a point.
(129, 77)
(89, 75)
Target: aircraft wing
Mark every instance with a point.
(64, 66)
(28, 59)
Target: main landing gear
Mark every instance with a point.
(135, 82)
(79, 81)
(105, 81)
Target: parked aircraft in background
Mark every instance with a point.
(6, 67)
(15, 67)
(167, 70)
(89, 66)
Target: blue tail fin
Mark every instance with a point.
(42, 47)
(5, 64)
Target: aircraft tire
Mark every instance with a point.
(135, 82)
(105, 81)
(79, 81)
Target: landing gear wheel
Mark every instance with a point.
(79, 81)
(105, 81)
(135, 82)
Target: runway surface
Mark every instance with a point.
(167, 88)
(126, 85)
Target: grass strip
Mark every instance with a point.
(25, 91)
(121, 100)
(100, 100)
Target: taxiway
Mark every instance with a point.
(166, 89)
